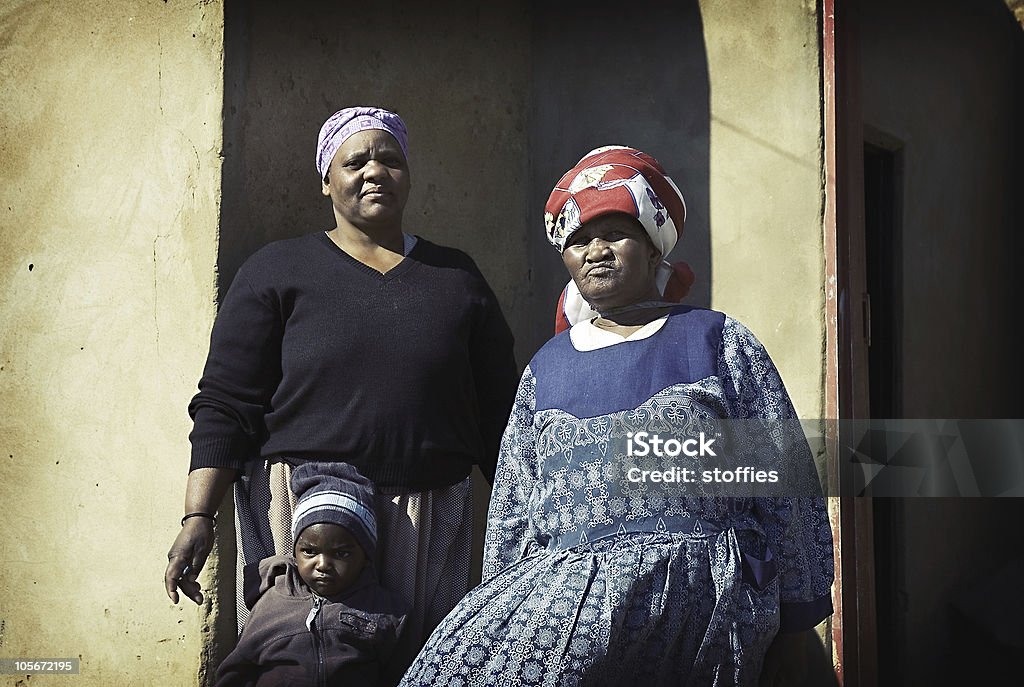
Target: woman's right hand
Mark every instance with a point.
(205, 490)
(187, 557)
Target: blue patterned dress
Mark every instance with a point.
(593, 579)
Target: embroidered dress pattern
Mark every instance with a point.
(591, 579)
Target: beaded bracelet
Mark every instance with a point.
(198, 514)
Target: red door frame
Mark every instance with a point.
(854, 637)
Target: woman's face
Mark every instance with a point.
(612, 261)
(368, 180)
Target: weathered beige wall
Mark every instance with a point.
(109, 189)
(766, 194)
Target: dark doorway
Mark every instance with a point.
(884, 252)
(883, 317)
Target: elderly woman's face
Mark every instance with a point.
(368, 179)
(612, 261)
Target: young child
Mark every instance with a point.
(321, 617)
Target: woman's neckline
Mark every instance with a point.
(409, 241)
(587, 336)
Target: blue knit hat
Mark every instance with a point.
(334, 493)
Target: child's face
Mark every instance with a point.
(329, 558)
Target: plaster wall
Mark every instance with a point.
(109, 187)
(766, 184)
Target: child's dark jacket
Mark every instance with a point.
(346, 642)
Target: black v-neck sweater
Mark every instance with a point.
(407, 375)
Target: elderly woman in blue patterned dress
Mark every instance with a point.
(593, 576)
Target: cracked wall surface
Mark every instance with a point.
(110, 135)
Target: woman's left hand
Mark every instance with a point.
(785, 663)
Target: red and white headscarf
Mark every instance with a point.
(617, 179)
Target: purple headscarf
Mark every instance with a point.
(344, 123)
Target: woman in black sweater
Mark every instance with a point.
(365, 345)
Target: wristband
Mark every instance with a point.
(198, 514)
